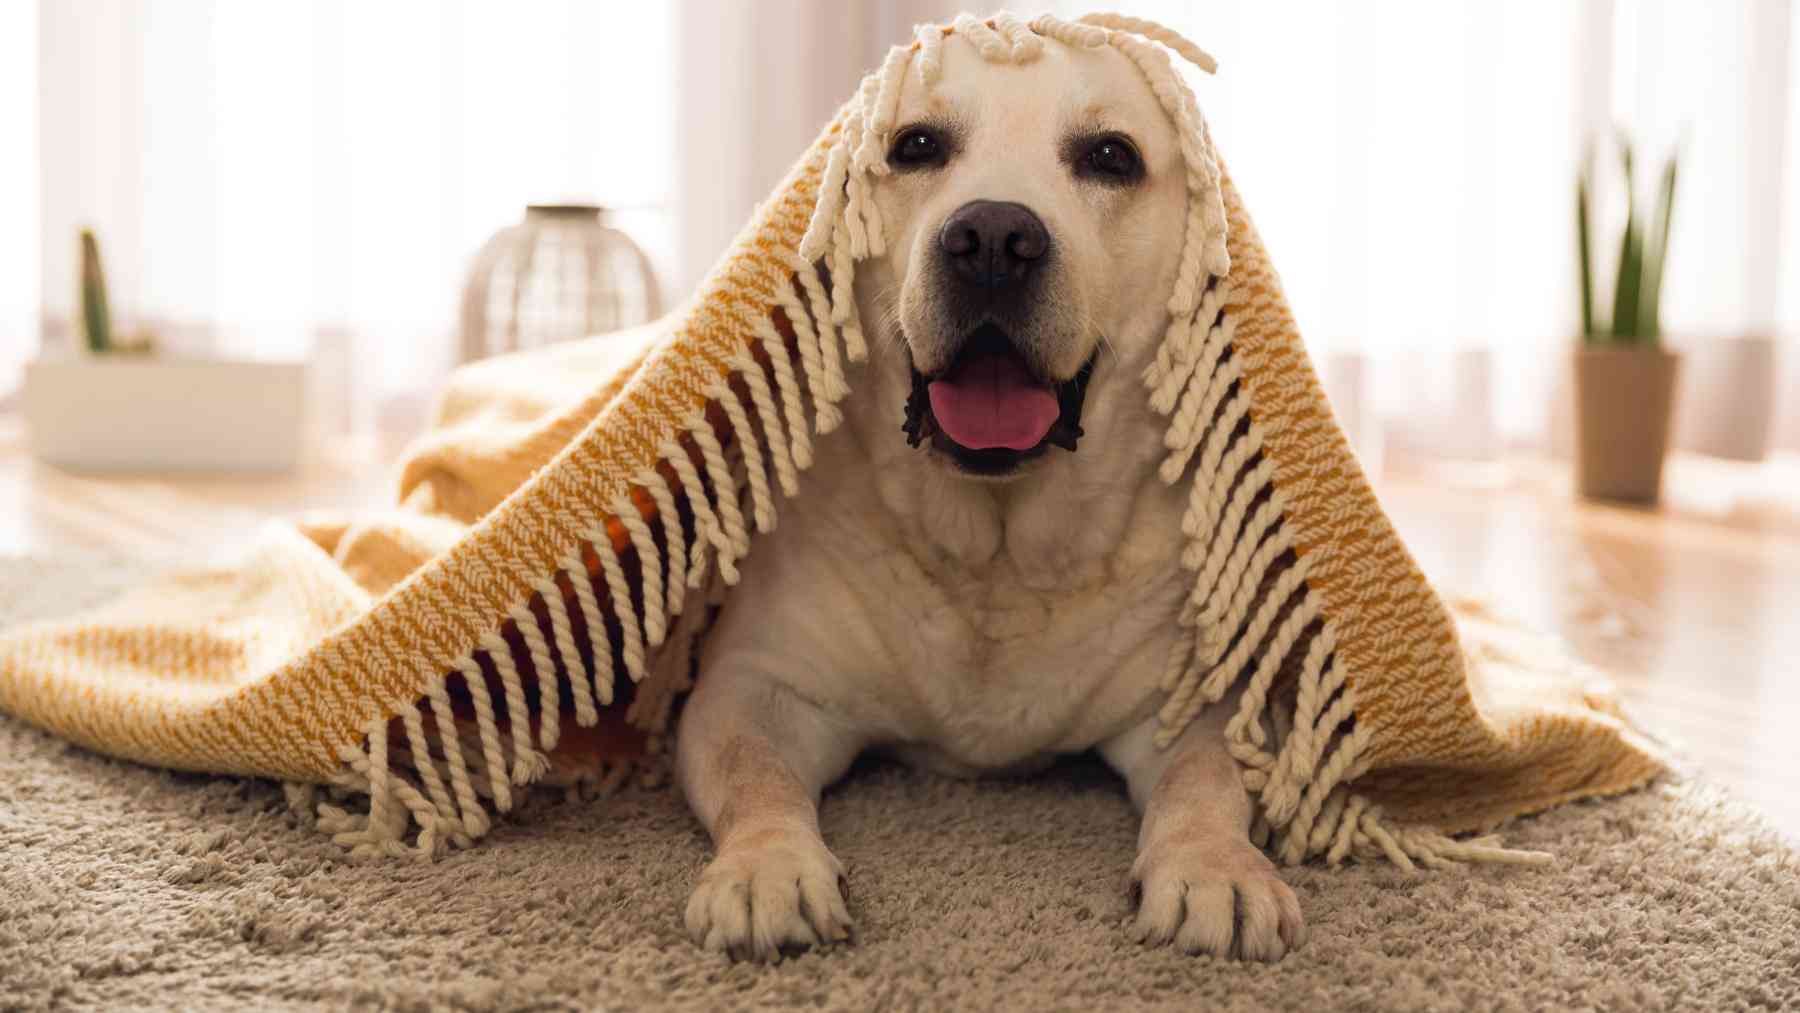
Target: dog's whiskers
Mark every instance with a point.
(1106, 343)
(887, 318)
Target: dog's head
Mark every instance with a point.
(1035, 220)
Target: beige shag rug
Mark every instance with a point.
(125, 887)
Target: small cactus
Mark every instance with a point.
(96, 319)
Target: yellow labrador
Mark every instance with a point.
(982, 571)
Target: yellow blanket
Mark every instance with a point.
(562, 535)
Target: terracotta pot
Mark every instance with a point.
(1624, 398)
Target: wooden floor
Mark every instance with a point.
(1693, 608)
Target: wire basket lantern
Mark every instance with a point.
(560, 273)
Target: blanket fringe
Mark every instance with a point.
(615, 597)
(1252, 620)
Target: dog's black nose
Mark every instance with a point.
(993, 244)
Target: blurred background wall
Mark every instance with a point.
(297, 179)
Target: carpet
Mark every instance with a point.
(126, 887)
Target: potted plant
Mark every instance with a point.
(1624, 377)
(125, 405)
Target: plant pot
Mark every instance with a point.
(153, 413)
(1624, 398)
(1728, 397)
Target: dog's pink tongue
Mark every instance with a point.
(992, 401)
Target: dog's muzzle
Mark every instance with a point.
(989, 410)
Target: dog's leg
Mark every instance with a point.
(752, 758)
(1200, 883)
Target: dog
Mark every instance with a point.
(981, 572)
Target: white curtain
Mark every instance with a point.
(756, 82)
(276, 176)
(1408, 164)
(289, 178)
(18, 189)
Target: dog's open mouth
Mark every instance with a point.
(990, 411)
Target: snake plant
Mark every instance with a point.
(1637, 293)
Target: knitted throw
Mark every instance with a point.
(530, 610)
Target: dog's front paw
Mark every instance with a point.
(1205, 898)
(768, 892)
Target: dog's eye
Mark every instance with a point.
(916, 146)
(1112, 159)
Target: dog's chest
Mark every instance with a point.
(963, 637)
(1000, 674)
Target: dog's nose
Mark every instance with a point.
(993, 244)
